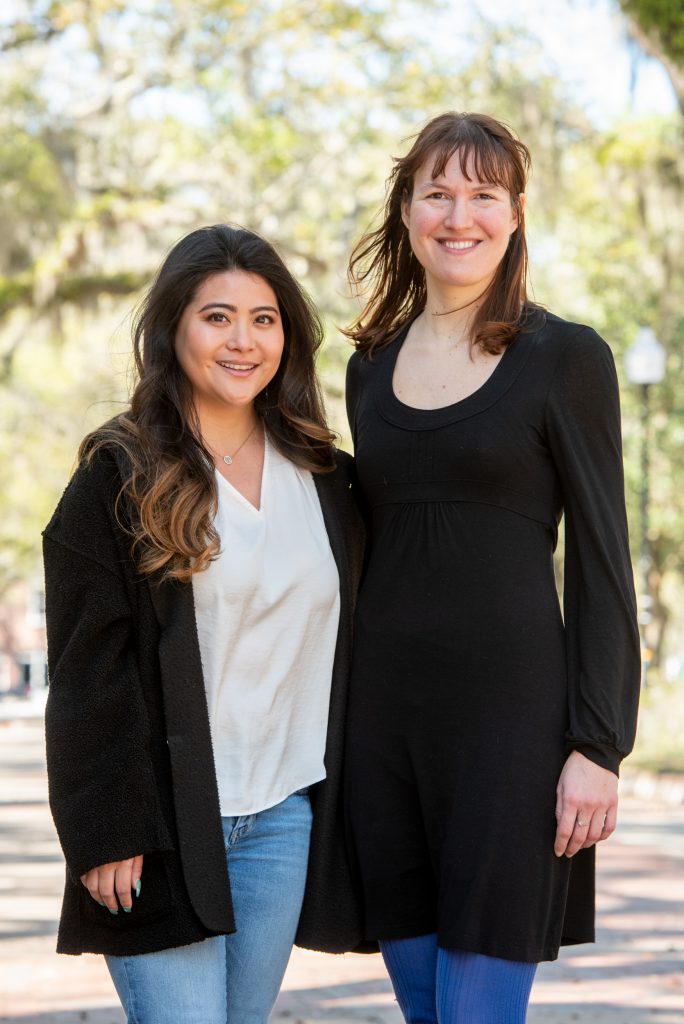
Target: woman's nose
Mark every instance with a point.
(240, 336)
(459, 214)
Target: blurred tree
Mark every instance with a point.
(619, 264)
(657, 26)
(656, 183)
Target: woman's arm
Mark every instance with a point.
(101, 780)
(603, 652)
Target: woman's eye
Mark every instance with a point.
(264, 318)
(217, 318)
(484, 195)
(437, 195)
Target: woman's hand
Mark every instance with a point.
(120, 878)
(586, 805)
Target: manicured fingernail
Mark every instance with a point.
(127, 910)
(101, 903)
(112, 911)
(138, 886)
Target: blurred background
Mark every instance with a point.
(126, 123)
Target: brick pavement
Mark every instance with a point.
(634, 975)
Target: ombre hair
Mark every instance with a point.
(168, 498)
(384, 261)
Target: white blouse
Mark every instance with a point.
(267, 614)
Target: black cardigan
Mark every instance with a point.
(130, 761)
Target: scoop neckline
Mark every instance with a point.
(393, 410)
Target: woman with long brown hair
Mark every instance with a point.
(200, 574)
(485, 732)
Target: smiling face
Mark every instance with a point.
(230, 341)
(459, 228)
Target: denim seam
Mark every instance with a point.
(131, 1009)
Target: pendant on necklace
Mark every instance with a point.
(227, 459)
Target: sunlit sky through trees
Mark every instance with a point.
(584, 42)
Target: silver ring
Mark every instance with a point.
(581, 823)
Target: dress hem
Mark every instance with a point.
(470, 945)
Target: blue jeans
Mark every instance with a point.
(231, 979)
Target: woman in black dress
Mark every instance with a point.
(485, 730)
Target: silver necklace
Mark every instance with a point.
(228, 459)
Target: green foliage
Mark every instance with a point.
(663, 19)
(79, 289)
(58, 391)
(13, 291)
(34, 195)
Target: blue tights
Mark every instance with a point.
(449, 986)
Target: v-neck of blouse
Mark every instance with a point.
(394, 411)
(239, 496)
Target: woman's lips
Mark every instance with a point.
(238, 369)
(463, 245)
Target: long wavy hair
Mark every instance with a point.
(383, 261)
(168, 498)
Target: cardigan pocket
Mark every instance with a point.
(154, 902)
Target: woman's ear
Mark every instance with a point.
(519, 209)
(405, 209)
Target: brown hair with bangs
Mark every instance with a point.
(384, 261)
(168, 499)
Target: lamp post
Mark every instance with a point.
(644, 366)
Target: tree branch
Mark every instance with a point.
(16, 293)
(652, 47)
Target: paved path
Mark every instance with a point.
(634, 975)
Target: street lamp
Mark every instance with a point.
(645, 365)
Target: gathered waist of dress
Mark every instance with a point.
(481, 491)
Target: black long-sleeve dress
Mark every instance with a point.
(468, 686)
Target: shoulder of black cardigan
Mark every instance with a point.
(88, 519)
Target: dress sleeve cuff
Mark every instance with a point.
(600, 754)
